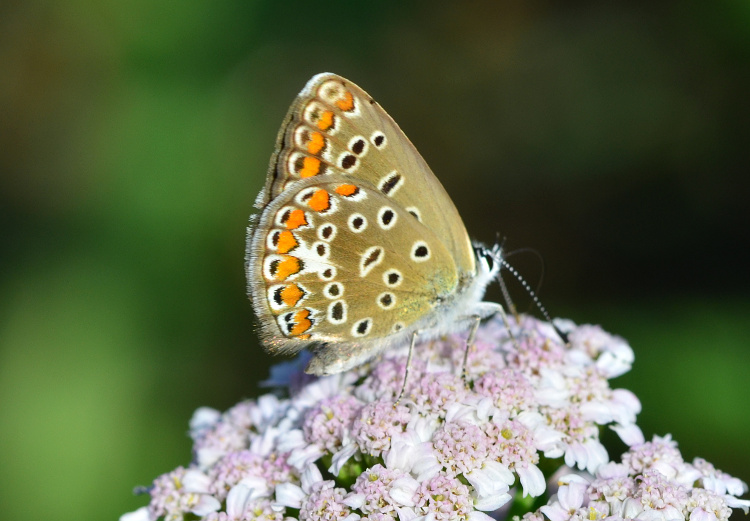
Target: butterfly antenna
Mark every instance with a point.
(497, 253)
(541, 263)
(534, 297)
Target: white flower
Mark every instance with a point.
(733, 502)
(341, 457)
(491, 484)
(291, 495)
(532, 480)
(204, 418)
(238, 499)
(403, 489)
(137, 515)
(570, 497)
(409, 453)
(588, 455)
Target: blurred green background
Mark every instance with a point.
(610, 138)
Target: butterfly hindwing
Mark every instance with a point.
(337, 262)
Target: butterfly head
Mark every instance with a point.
(489, 260)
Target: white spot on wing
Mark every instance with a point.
(415, 212)
(392, 273)
(323, 227)
(271, 295)
(323, 247)
(267, 266)
(365, 267)
(420, 251)
(389, 215)
(279, 218)
(327, 273)
(378, 137)
(390, 183)
(362, 327)
(365, 145)
(350, 157)
(339, 305)
(330, 292)
(386, 300)
(315, 107)
(269, 239)
(354, 219)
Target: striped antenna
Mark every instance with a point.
(534, 297)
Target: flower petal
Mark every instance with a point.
(289, 495)
(137, 515)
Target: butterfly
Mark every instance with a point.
(357, 247)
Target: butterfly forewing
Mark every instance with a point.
(337, 262)
(335, 127)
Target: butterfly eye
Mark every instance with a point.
(485, 255)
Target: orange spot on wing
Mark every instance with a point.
(287, 242)
(346, 190)
(326, 120)
(301, 322)
(304, 337)
(296, 219)
(347, 102)
(310, 167)
(320, 201)
(289, 266)
(317, 143)
(291, 294)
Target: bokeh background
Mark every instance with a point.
(610, 138)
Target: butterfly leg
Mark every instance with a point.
(508, 301)
(470, 342)
(408, 365)
(483, 310)
(504, 316)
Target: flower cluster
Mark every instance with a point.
(652, 482)
(532, 408)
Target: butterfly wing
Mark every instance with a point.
(334, 262)
(335, 127)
